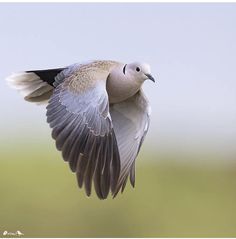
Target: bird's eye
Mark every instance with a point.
(137, 69)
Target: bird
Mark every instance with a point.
(99, 116)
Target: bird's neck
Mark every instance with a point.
(120, 86)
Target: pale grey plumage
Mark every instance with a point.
(131, 122)
(99, 117)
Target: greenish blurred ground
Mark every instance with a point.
(172, 198)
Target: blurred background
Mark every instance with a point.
(186, 171)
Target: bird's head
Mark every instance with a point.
(138, 71)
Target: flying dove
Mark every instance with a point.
(99, 117)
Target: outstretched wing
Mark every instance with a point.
(78, 113)
(131, 121)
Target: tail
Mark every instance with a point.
(36, 86)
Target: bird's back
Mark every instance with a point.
(37, 85)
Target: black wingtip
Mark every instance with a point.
(47, 75)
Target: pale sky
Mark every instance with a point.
(191, 49)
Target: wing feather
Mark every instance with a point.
(130, 120)
(83, 131)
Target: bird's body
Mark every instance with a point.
(99, 117)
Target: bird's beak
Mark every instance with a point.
(150, 77)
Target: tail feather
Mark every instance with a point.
(35, 86)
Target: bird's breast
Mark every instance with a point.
(120, 88)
